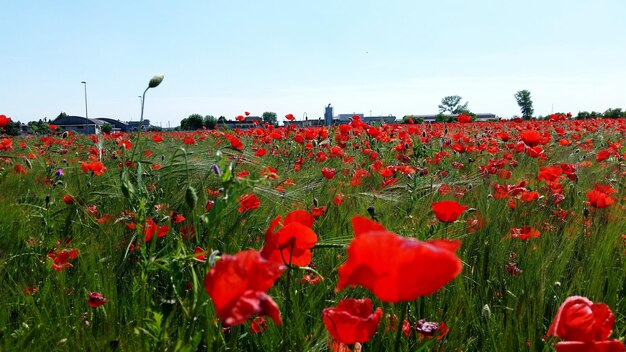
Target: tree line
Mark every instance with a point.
(196, 121)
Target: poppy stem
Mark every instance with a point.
(404, 308)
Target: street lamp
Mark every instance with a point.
(86, 115)
(154, 82)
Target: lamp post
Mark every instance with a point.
(86, 114)
(154, 82)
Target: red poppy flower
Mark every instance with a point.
(238, 284)
(96, 167)
(524, 233)
(293, 242)
(240, 118)
(4, 121)
(600, 196)
(199, 255)
(352, 320)
(289, 117)
(311, 279)
(247, 113)
(67, 199)
(61, 257)
(189, 141)
(157, 138)
(328, 173)
(585, 326)
(447, 210)
(549, 173)
(20, 169)
(95, 299)
(6, 144)
(151, 228)
(395, 268)
(258, 325)
(318, 211)
(463, 118)
(248, 202)
(177, 218)
(530, 137)
(125, 144)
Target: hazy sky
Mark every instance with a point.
(388, 57)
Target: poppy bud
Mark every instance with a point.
(315, 202)
(487, 312)
(191, 197)
(372, 211)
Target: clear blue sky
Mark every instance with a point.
(390, 57)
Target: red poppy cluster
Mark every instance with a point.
(97, 167)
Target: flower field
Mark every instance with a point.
(465, 236)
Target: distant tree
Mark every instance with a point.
(221, 120)
(270, 117)
(192, 123)
(525, 104)
(452, 104)
(39, 127)
(155, 129)
(62, 114)
(407, 119)
(13, 128)
(210, 122)
(613, 113)
(106, 128)
(582, 115)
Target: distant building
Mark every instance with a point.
(78, 124)
(374, 120)
(340, 119)
(328, 115)
(136, 125)
(433, 118)
(248, 122)
(306, 123)
(118, 126)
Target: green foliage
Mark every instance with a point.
(106, 128)
(452, 105)
(210, 122)
(411, 119)
(13, 128)
(269, 117)
(610, 113)
(525, 103)
(192, 123)
(614, 113)
(39, 127)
